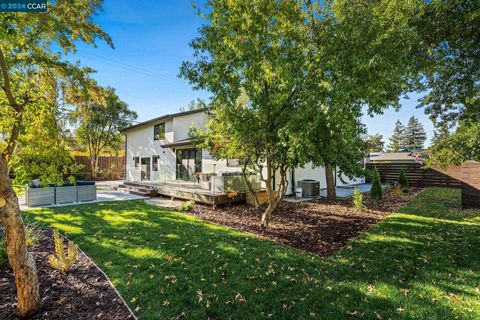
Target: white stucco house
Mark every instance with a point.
(160, 150)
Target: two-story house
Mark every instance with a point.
(160, 150)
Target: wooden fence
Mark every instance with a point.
(465, 176)
(111, 168)
(418, 176)
(471, 184)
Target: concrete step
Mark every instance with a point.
(134, 188)
(139, 185)
(149, 193)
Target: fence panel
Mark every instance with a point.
(471, 184)
(465, 176)
(418, 176)
(111, 168)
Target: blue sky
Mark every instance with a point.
(151, 40)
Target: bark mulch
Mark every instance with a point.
(83, 292)
(318, 226)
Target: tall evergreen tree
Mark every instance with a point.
(397, 139)
(441, 132)
(415, 135)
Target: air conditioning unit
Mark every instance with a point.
(311, 188)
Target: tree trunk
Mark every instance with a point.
(20, 259)
(273, 199)
(331, 191)
(94, 164)
(267, 214)
(250, 187)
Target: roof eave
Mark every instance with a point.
(164, 118)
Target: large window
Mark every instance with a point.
(159, 131)
(155, 163)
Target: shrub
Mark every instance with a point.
(59, 260)
(397, 191)
(376, 193)
(186, 206)
(357, 199)
(402, 181)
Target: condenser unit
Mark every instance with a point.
(310, 188)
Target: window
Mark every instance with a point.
(155, 163)
(233, 163)
(159, 131)
(137, 162)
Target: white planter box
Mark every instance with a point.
(66, 194)
(39, 196)
(86, 193)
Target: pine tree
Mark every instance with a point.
(376, 192)
(414, 135)
(397, 139)
(403, 181)
(441, 132)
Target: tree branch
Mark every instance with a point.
(6, 84)
(6, 87)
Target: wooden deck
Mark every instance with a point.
(186, 191)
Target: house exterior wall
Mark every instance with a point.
(140, 143)
(309, 171)
(182, 124)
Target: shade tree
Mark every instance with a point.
(310, 65)
(462, 145)
(441, 132)
(246, 51)
(360, 67)
(373, 143)
(99, 122)
(34, 75)
(448, 60)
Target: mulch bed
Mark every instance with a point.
(83, 292)
(318, 226)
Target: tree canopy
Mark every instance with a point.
(441, 132)
(244, 52)
(449, 59)
(34, 79)
(448, 62)
(463, 145)
(99, 124)
(195, 105)
(302, 72)
(373, 143)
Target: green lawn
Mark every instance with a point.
(420, 263)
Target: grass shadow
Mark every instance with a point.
(420, 263)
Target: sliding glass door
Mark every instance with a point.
(189, 162)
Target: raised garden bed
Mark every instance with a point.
(81, 293)
(318, 226)
(82, 191)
